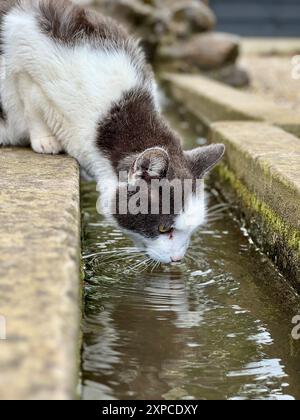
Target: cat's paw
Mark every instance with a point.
(46, 145)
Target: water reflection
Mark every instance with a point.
(210, 328)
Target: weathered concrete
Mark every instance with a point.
(265, 81)
(212, 101)
(263, 167)
(270, 46)
(39, 275)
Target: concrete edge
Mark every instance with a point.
(40, 285)
(213, 101)
(266, 182)
(270, 46)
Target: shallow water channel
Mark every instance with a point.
(217, 326)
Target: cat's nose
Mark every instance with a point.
(176, 259)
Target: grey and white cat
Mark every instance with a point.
(73, 81)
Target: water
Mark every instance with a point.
(218, 326)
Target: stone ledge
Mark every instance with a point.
(270, 46)
(263, 167)
(39, 275)
(212, 101)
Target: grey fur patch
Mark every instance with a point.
(70, 24)
(2, 113)
(134, 125)
(148, 224)
(132, 129)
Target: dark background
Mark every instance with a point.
(258, 17)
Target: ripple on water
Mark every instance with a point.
(209, 328)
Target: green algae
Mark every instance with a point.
(289, 235)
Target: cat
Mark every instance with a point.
(74, 81)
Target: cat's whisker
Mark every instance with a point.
(140, 264)
(214, 219)
(147, 265)
(119, 250)
(221, 205)
(156, 264)
(120, 258)
(134, 267)
(145, 262)
(151, 265)
(109, 254)
(216, 215)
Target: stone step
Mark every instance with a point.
(262, 166)
(39, 275)
(212, 101)
(270, 46)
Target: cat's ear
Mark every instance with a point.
(151, 164)
(203, 159)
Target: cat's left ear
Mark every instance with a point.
(203, 159)
(153, 163)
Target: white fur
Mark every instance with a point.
(56, 96)
(168, 249)
(52, 90)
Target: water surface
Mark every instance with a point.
(217, 326)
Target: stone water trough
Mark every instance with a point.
(40, 280)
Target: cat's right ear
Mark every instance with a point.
(203, 159)
(151, 164)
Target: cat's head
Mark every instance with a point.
(159, 201)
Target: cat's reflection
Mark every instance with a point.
(137, 345)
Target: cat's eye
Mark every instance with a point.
(165, 229)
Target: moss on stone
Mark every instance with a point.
(288, 234)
